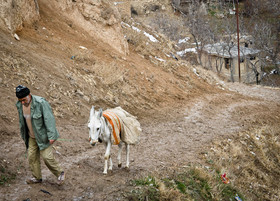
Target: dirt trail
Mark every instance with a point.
(176, 139)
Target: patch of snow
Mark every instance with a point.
(167, 55)
(151, 37)
(125, 24)
(136, 29)
(116, 3)
(184, 40)
(273, 71)
(160, 59)
(231, 12)
(181, 53)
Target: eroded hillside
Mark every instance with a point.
(75, 69)
(80, 54)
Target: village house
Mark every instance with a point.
(223, 59)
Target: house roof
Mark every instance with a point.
(222, 50)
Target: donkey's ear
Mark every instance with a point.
(100, 113)
(92, 111)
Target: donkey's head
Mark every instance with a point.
(95, 126)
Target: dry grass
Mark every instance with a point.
(186, 183)
(167, 194)
(252, 162)
(155, 51)
(170, 25)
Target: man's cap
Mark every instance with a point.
(22, 91)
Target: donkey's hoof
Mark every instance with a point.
(120, 165)
(105, 173)
(126, 168)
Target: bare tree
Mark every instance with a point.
(264, 18)
(228, 32)
(259, 19)
(199, 27)
(253, 66)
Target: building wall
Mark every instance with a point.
(247, 75)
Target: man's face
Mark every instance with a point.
(25, 101)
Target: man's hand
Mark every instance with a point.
(52, 141)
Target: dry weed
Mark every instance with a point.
(167, 194)
(251, 161)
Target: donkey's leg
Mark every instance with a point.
(120, 154)
(127, 155)
(105, 166)
(110, 163)
(107, 156)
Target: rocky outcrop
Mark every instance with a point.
(146, 7)
(14, 14)
(100, 19)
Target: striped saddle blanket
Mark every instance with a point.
(124, 126)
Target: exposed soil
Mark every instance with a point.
(176, 139)
(181, 114)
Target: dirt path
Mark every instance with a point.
(176, 141)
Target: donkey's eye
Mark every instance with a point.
(98, 129)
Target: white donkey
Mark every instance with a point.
(102, 129)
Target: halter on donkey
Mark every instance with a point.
(107, 126)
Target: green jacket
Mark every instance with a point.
(43, 122)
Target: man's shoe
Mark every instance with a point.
(33, 181)
(61, 178)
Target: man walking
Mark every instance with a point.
(38, 130)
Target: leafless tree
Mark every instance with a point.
(253, 66)
(199, 27)
(259, 19)
(264, 18)
(168, 25)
